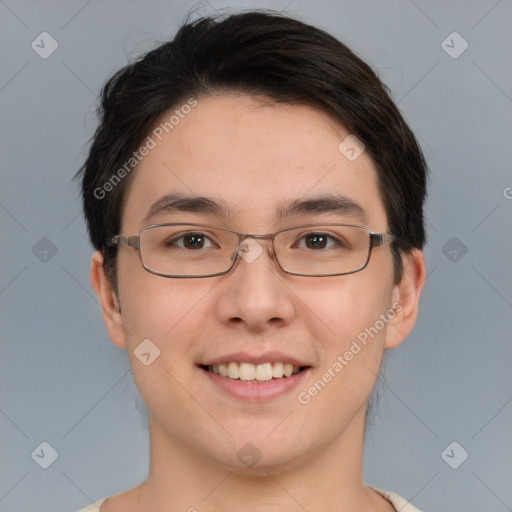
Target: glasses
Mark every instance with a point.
(197, 250)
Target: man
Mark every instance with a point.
(256, 202)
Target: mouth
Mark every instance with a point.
(254, 373)
(254, 382)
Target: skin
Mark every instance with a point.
(253, 155)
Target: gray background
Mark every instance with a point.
(63, 382)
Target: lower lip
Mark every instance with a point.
(253, 392)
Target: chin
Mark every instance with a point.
(259, 457)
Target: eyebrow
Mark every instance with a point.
(179, 203)
(328, 203)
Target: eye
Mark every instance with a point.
(318, 241)
(191, 241)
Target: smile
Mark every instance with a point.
(254, 373)
(254, 382)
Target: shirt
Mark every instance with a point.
(397, 501)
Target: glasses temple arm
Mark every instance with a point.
(378, 239)
(129, 241)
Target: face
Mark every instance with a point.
(254, 159)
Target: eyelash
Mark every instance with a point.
(173, 241)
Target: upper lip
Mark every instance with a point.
(244, 357)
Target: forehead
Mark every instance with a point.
(253, 157)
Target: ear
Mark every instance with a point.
(109, 303)
(406, 295)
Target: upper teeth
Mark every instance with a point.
(249, 371)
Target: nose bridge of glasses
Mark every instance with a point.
(244, 247)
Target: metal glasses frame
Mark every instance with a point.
(374, 239)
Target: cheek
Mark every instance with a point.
(346, 305)
(169, 314)
(155, 307)
(357, 313)
(173, 314)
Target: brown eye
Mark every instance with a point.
(316, 241)
(192, 241)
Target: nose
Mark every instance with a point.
(254, 294)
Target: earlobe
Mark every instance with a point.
(109, 302)
(406, 294)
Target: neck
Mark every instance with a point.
(330, 479)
